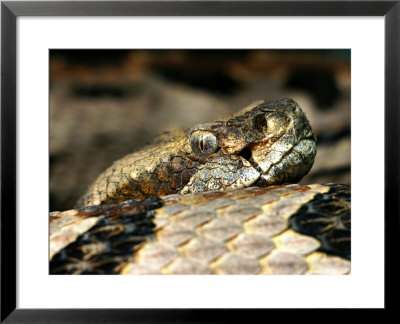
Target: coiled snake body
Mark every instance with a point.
(224, 223)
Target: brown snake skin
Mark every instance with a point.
(224, 223)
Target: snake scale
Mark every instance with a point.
(214, 199)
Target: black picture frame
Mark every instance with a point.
(10, 10)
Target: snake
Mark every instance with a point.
(219, 198)
(263, 144)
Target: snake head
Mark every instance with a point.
(267, 143)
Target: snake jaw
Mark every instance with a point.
(287, 160)
(289, 167)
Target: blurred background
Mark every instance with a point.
(105, 104)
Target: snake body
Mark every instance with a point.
(291, 229)
(224, 207)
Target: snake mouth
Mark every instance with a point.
(279, 164)
(280, 161)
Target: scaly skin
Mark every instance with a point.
(286, 229)
(266, 143)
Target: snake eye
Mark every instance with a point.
(203, 143)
